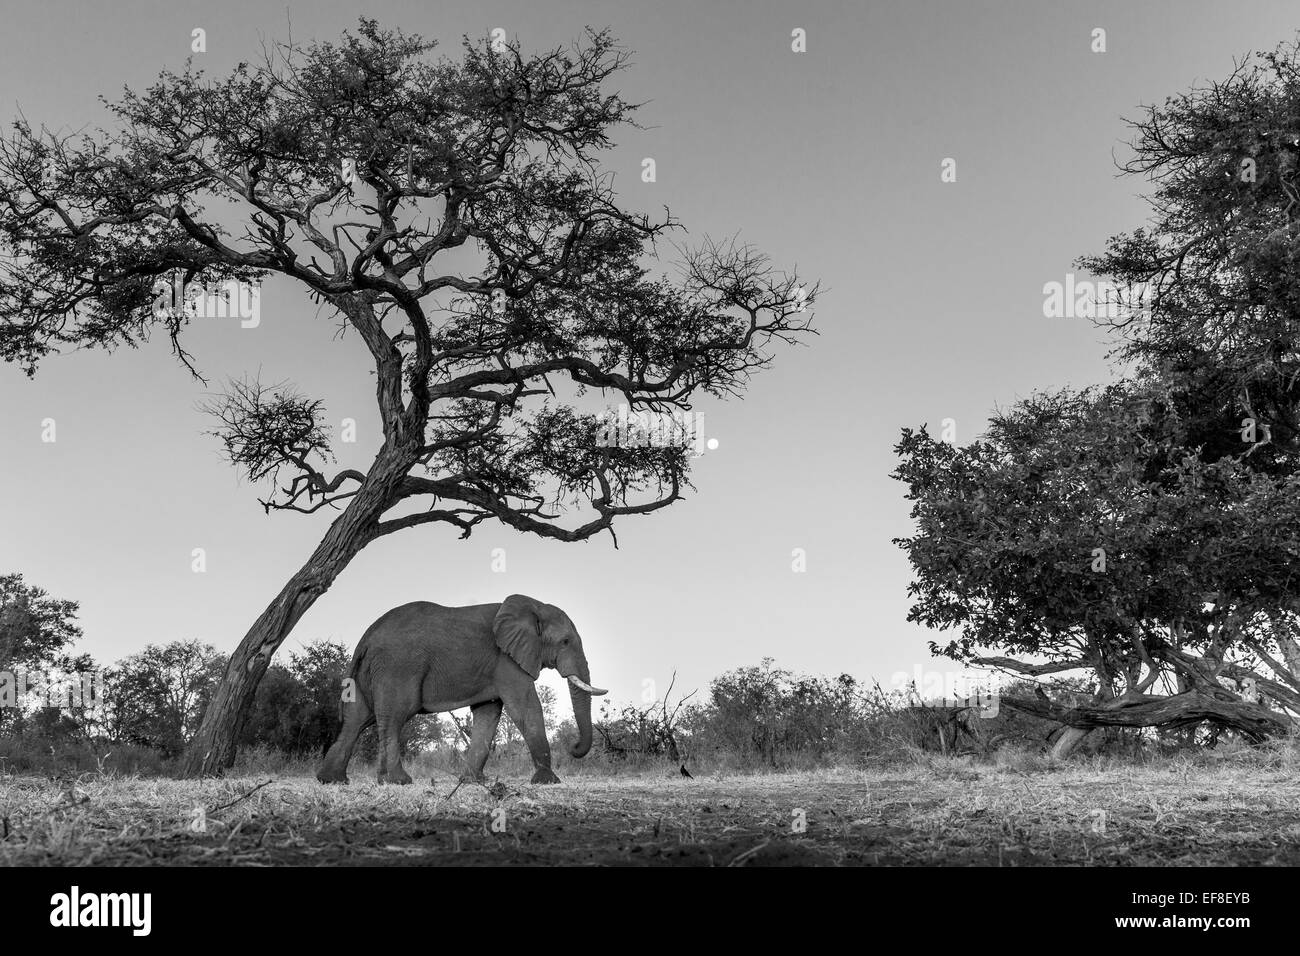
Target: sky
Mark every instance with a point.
(828, 160)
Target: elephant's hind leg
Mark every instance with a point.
(390, 749)
(393, 708)
(357, 716)
(486, 717)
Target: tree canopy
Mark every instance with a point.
(368, 171)
(1149, 530)
(36, 630)
(1080, 532)
(1218, 258)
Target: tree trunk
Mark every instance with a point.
(1290, 653)
(1253, 721)
(214, 747)
(1070, 738)
(674, 752)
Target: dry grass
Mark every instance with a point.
(1018, 811)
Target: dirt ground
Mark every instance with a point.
(950, 814)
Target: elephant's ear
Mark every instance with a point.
(519, 633)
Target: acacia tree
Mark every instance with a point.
(1219, 262)
(357, 169)
(1081, 533)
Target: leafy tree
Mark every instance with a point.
(157, 697)
(1218, 260)
(278, 713)
(35, 629)
(357, 170)
(508, 734)
(319, 669)
(1081, 532)
(36, 634)
(1198, 498)
(550, 701)
(296, 709)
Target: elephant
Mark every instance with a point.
(424, 658)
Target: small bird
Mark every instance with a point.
(686, 773)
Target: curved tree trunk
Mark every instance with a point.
(1069, 739)
(213, 748)
(1252, 720)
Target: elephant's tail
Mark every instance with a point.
(357, 656)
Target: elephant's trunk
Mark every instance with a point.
(581, 697)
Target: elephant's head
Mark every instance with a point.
(538, 635)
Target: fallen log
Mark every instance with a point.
(1252, 720)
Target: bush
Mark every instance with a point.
(40, 756)
(771, 717)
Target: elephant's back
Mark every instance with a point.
(424, 620)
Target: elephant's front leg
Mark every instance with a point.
(486, 718)
(525, 709)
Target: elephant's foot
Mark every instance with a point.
(398, 776)
(327, 775)
(545, 775)
(470, 776)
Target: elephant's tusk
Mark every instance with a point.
(579, 683)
